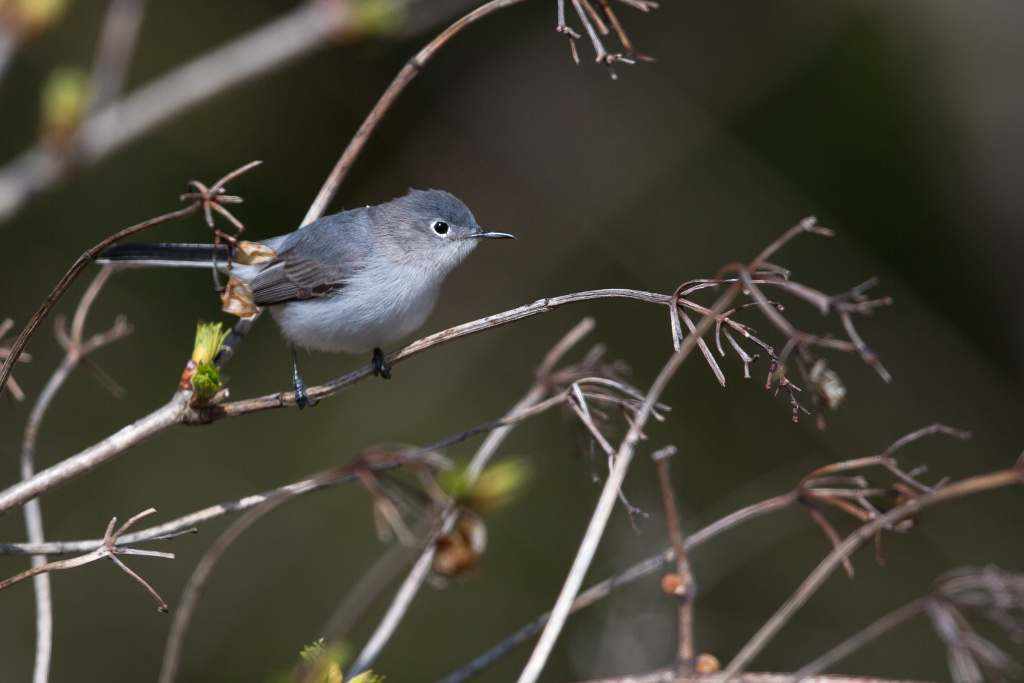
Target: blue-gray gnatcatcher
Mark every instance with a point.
(352, 282)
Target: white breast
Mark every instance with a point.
(367, 313)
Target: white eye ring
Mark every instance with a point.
(440, 227)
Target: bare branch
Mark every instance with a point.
(83, 261)
(978, 484)
(605, 588)
(993, 593)
(312, 25)
(610, 492)
(108, 549)
(115, 49)
(410, 587)
(682, 583)
(5, 352)
(404, 77)
(75, 353)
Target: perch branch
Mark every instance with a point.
(215, 194)
(609, 493)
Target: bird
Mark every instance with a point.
(351, 282)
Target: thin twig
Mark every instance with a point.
(5, 326)
(89, 256)
(160, 420)
(75, 350)
(609, 494)
(414, 581)
(108, 549)
(605, 503)
(304, 486)
(312, 25)
(686, 592)
(411, 69)
(197, 581)
(115, 49)
(861, 638)
(984, 482)
(605, 588)
(283, 399)
(807, 487)
(362, 594)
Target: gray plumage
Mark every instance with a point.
(353, 281)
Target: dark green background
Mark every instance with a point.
(898, 124)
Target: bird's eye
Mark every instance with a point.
(440, 227)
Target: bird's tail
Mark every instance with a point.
(165, 254)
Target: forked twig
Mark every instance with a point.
(623, 457)
(990, 592)
(595, 23)
(809, 485)
(414, 581)
(76, 350)
(404, 77)
(83, 261)
(1013, 476)
(5, 351)
(109, 550)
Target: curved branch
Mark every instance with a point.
(404, 77)
(312, 25)
(984, 482)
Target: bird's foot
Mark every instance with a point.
(302, 399)
(379, 368)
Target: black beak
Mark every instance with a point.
(494, 235)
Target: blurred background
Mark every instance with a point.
(897, 124)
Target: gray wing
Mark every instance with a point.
(314, 261)
(287, 279)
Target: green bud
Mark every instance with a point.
(324, 661)
(376, 16)
(64, 99)
(208, 341)
(37, 15)
(496, 486)
(206, 380)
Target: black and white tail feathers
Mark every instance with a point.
(165, 254)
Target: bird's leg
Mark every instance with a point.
(379, 368)
(302, 399)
